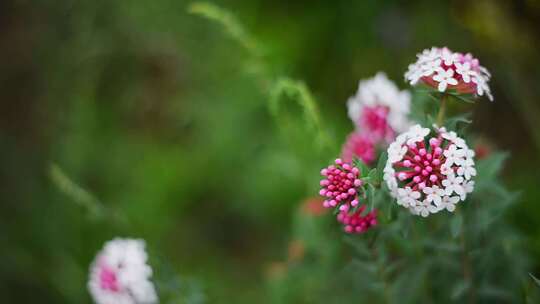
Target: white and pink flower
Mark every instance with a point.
(120, 274)
(428, 174)
(446, 70)
(379, 109)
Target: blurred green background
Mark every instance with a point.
(163, 119)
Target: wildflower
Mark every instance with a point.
(408, 197)
(379, 108)
(422, 170)
(356, 222)
(339, 185)
(120, 275)
(449, 203)
(360, 146)
(433, 194)
(446, 70)
(340, 190)
(445, 78)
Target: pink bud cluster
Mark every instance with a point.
(421, 166)
(355, 222)
(340, 184)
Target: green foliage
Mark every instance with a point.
(76, 193)
(228, 22)
(297, 91)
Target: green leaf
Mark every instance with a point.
(459, 289)
(297, 91)
(380, 166)
(372, 175)
(371, 196)
(227, 22)
(452, 122)
(489, 168)
(364, 169)
(468, 98)
(389, 210)
(536, 280)
(75, 192)
(358, 245)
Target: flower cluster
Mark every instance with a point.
(379, 108)
(339, 187)
(356, 222)
(444, 69)
(429, 174)
(120, 275)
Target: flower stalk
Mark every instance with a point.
(442, 110)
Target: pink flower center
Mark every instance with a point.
(421, 166)
(375, 120)
(108, 279)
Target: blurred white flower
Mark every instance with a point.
(120, 275)
(379, 109)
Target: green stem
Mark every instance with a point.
(442, 110)
(466, 263)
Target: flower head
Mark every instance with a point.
(379, 108)
(120, 275)
(340, 185)
(444, 69)
(358, 145)
(426, 174)
(355, 221)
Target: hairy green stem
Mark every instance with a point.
(467, 265)
(442, 110)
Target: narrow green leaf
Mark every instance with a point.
(380, 166)
(489, 168)
(75, 192)
(228, 23)
(536, 280)
(364, 169)
(372, 175)
(460, 289)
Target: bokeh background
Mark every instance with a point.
(141, 119)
